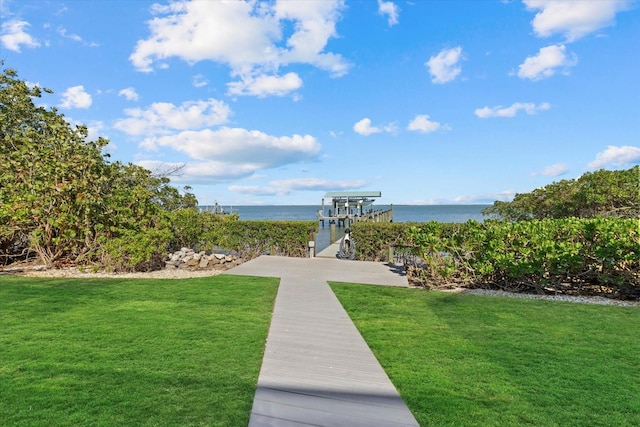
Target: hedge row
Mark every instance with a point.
(203, 231)
(253, 238)
(572, 256)
(375, 238)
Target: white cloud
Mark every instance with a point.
(504, 196)
(315, 184)
(556, 169)
(200, 81)
(129, 93)
(546, 62)
(254, 149)
(203, 172)
(265, 85)
(285, 187)
(14, 35)
(63, 32)
(164, 117)
(256, 190)
(423, 124)
(511, 111)
(248, 36)
(230, 32)
(613, 156)
(76, 97)
(76, 38)
(390, 9)
(445, 66)
(574, 19)
(230, 154)
(363, 127)
(390, 128)
(225, 153)
(472, 199)
(314, 24)
(96, 129)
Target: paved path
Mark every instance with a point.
(330, 251)
(317, 369)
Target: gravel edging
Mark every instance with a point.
(74, 272)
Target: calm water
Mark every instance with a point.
(401, 213)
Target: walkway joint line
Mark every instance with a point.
(317, 369)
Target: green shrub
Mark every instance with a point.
(198, 230)
(62, 198)
(253, 238)
(573, 256)
(135, 250)
(373, 239)
(447, 250)
(602, 193)
(577, 256)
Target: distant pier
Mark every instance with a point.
(348, 207)
(215, 209)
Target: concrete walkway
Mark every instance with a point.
(317, 369)
(330, 251)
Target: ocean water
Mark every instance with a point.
(401, 213)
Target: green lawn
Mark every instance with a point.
(101, 352)
(469, 360)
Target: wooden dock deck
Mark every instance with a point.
(317, 369)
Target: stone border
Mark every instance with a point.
(188, 259)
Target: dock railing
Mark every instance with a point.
(375, 216)
(345, 219)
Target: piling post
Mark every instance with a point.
(332, 233)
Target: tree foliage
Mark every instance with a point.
(595, 194)
(59, 194)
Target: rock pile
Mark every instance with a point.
(189, 259)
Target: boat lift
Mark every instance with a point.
(352, 206)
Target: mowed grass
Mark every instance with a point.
(111, 352)
(469, 360)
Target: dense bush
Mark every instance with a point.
(253, 238)
(62, 199)
(572, 256)
(142, 250)
(197, 230)
(14, 245)
(375, 238)
(595, 194)
(575, 256)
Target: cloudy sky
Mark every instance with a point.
(277, 102)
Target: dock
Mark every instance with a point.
(348, 207)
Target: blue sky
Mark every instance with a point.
(277, 102)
